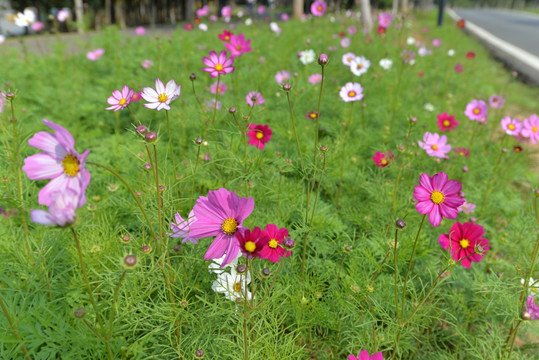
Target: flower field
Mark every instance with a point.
(265, 188)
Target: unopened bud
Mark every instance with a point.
(287, 87)
(526, 315)
(177, 248)
(413, 120)
(265, 272)
(146, 248)
(323, 148)
(80, 312)
(232, 110)
(142, 129)
(10, 95)
(198, 141)
(151, 136)
(401, 224)
(126, 238)
(347, 248)
(193, 77)
(323, 59)
(199, 354)
(289, 243)
(130, 260)
(241, 268)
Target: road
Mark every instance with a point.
(518, 28)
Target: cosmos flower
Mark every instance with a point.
(348, 58)
(273, 238)
(180, 228)
(307, 56)
(318, 8)
(351, 92)
(218, 64)
(315, 78)
(530, 128)
(218, 88)
(95, 55)
(466, 243)
(250, 242)
(161, 97)
(446, 122)
(360, 65)
(62, 209)
(466, 207)
(233, 284)
(238, 45)
(496, 101)
(435, 145)
(364, 355)
(511, 126)
(477, 110)
(120, 100)
(385, 19)
(254, 98)
(383, 159)
(259, 135)
(386, 64)
(282, 76)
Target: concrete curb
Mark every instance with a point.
(522, 61)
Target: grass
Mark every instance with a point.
(344, 299)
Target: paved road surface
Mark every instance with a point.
(517, 28)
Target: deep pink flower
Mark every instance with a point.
(511, 126)
(315, 78)
(470, 55)
(435, 145)
(380, 30)
(385, 19)
(462, 151)
(259, 135)
(318, 8)
(180, 228)
(383, 159)
(447, 122)
(477, 110)
(161, 97)
(532, 308)
(530, 128)
(137, 95)
(225, 36)
(438, 197)
(238, 45)
(59, 162)
(496, 101)
(254, 98)
(120, 100)
(140, 30)
(218, 64)
(364, 355)
(62, 209)
(221, 214)
(466, 243)
(351, 92)
(250, 242)
(273, 239)
(458, 68)
(226, 11)
(189, 26)
(436, 42)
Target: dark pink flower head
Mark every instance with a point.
(462, 151)
(318, 8)
(466, 243)
(458, 68)
(532, 308)
(259, 135)
(383, 159)
(273, 239)
(438, 197)
(59, 162)
(238, 45)
(218, 64)
(250, 242)
(225, 36)
(447, 122)
(221, 214)
(364, 355)
(476, 110)
(120, 100)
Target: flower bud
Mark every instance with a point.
(10, 95)
(265, 272)
(347, 248)
(198, 141)
(323, 60)
(289, 243)
(147, 166)
(142, 129)
(130, 260)
(177, 247)
(526, 315)
(370, 288)
(241, 268)
(193, 77)
(465, 169)
(80, 312)
(401, 224)
(126, 238)
(146, 248)
(413, 120)
(287, 87)
(232, 110)
(199, 354)
(151, 136)
(323, 148)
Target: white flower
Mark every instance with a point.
(332, 19)
(359, 66)
(423, 51)
(307, 56)
(26, 18)
(161, 97)
(275, 28)
(215, 265)
(429, 107)
(386, 64)
(533, 286)
(203, 27)
(233, 285)
(412, 62)
(2, 39)
(410, 40)
(348, 58)
(248, 22)
(240, 14)
(451, 52)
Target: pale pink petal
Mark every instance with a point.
(208, 62)
(42, 166)
(63, 136)
(49, 143)
(152, 106)
(159, 86)
(57, 184)
(41, 217)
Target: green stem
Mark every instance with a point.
(317, 192)
(195, 170)
(14, 329)
(170, 147)
(115, 298)
(295, 131)
(345, 138)
(215, 104)
(396, 273)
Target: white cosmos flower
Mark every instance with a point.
(451, 52)
(233, 285)
(348, 58)
(161, 97)
(26, 18)
(533, 286)
(410, 40)
(248, 22)
(429, 107)
(275, 28)
(386, 64)
(203, 27)
(360, 65)
(423, 51)
(215, 265)
(307, 56)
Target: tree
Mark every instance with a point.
(366, 17)
(297, 9)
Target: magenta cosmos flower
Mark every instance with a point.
(250, 242)
(466, 243)
(238, 45)
(496, 101)
(221, 214)
(462, 151)
(435, 145)
(218, 64)
(383, 159)
(318, 8)
(447, 122)
(351, 92)
(95, 55)
(511, 126)
(476, 110)
(273, 239)
(532, 308)
(259, 135)
(120, 100)
(438, 197)
(62, 209)
(385, 19)
(180, 228)
(530, 128)
(59, 162)
(161, 97)
(225, 36)
(254, 98)
(364, 355)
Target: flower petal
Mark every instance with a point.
(42, 166)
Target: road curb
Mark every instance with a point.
(525, 63)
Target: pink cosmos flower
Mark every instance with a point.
(348, 58)
(147, 64)
(37, 26)
(63, 15)
(476, 110)
(137, 95)
(470, 55)
(530, 128)
(254, 98)
(59, 162)
(238, 45)
(466, 243)
(140, 30)
(273, 239)
(318, 8)
(383, 159)
(496, 101)
(312, 115)
(95, 55)
(220, 90)
(120, 100)
(315, 78)
(225, 36)
(532, 308)
(458, 68)
(447, 122)
(221, 214)
(218, 64)
(364, 355)
(511, 126)
(438, 197)
(385, 19)
(189, 26)
(62, 209)
(261, 10)
(213, 104)
(180, 228)
(435, 145)
(226, 11)
(345, 42)
(161, 97)
(259, 135)
(352, 30)
(250, 242)
(203, 11)
(284, 17)
(436, 42)
(282, 76)
(462, 151)
(466, 207)
(351, 92)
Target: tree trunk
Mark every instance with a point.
(297, 9)
(108, 10)
(189, 10)
(79, 12)
(366, 17)
(119, 13)
(404, 6)
(395, 7)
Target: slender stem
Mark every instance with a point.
(379, 267)
(133, 114)
(158, 195)
(195, 170)
(116, 292)
(215, 104)
(490, 179)
(202, 110)
(271, 285)
(345, 138)
(317, 191)
(14, 329)
(396, 275)
(515, 332)
(245, 313)
(243, 139)
(295, 131)
(410, 267)
(170, 147)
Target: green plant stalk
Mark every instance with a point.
(202, 110)
(215, 104)
(245, 313)
(401, 165)
(295, 131)
(396, 273)
(195, 170)
(14, 329)
(318, 189)
(114, 299)
(243, 139)
(158, 198)
(271, 285)
(90, 293)
(515, 332)
(345, 138)
(133, 115)
(490, 182)
(170, 147)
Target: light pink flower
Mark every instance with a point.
(436, 42)
(218, 64)
(63, 15)
(318, 8)
(385, 19)
(352, 30)
(226, 11)
(62, 209)
(161, 97)
(203, 11)
(120, 100)
(315, 78)
(351, 92)
(147, 64)
(282, 76)
(180, 228)
(254, 98)
(532, 308)
(95, 55)
(477, 110)
(511, 126)
(348, 58)
(345, 42)
(140, 30)
(496, 101)
(220, 90)
(238, 45)
(467, 207)
(435, 145)
(37, 26)
(530, 128)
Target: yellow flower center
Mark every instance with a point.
(351, 93)
(227, 38)
(259, 135)
(237, 287)
(511, 127)
(320, 8)
(434, 147)
(273, 243)
(238, 47)
(122, 102)
(437, 197)
(464, 243)
(219, 67)
(229, 226)
(359, 66)
(250, 246)
(446, 123)
(534, 129)
(383, 162)
(162, 98)
(71, 165)
(461, 153)
(312, 115)
(476, 111)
